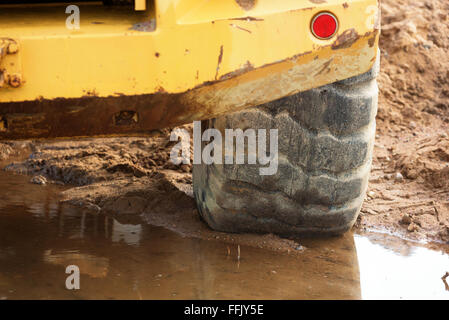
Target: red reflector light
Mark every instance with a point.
(324, 25)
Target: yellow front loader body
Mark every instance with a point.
(163, 63)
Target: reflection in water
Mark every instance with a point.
(39, 238)
(95, 267)
(387, 274)
(128, 233)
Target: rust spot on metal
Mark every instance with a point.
(157, 54)
(31, 124)
(346, 39)
(220, 58)
(15, 80)
(94, 116)
(372, 40)
(91, 93)
(9, 47)
(13, 48)
(246, 4)
(238, 27)
(345, 5)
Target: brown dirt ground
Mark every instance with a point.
(408, 195)
(409, 187)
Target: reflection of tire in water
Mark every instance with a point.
(40, 238)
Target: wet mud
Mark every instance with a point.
(40, 236)
(409, 187)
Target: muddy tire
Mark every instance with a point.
(325, 143)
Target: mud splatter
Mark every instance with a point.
(246, 4)
(346, 39)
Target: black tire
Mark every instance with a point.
(326, 138)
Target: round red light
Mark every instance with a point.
(324, 25)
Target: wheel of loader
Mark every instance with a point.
(325, 143)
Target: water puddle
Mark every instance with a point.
(39, 238)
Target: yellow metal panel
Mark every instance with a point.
(195, 42)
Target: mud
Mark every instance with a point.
(409, 188)
(40, 236)
(131, 179)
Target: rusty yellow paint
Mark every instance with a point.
(10, 72)
(281, 79)
(139, 114)
(219, 54)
